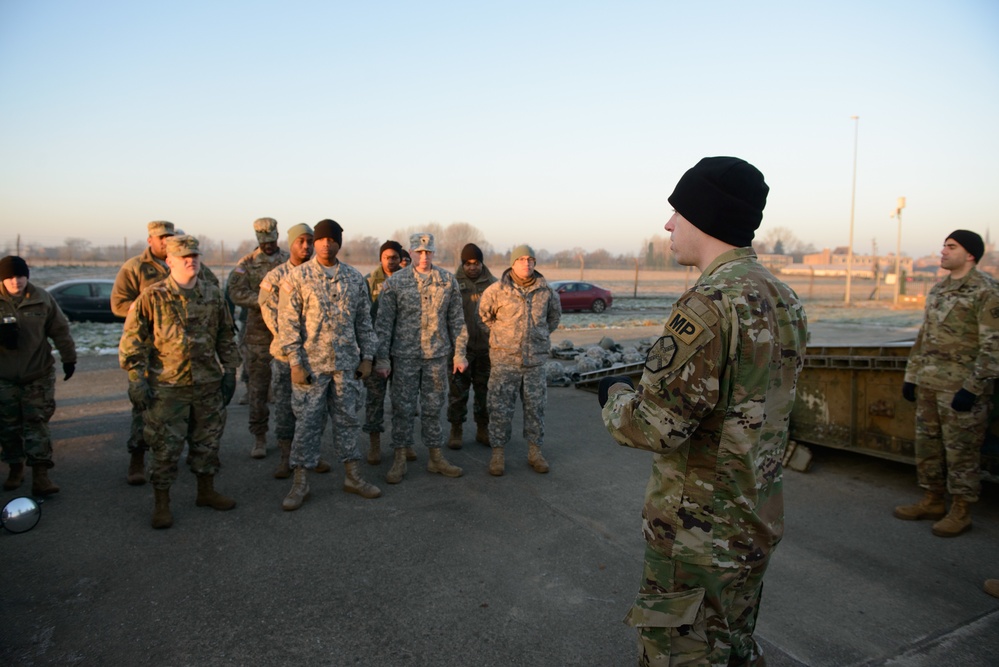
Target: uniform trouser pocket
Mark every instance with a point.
(671, 628)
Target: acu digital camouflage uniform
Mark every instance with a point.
(957, 348)
(268, 299)
(244, 289)
(714, 407)
(477, 351)
(135, 275)
(374, 407)
(324, 326)
(181, 341)
(27, 373)
(421, 328)
(520, 321)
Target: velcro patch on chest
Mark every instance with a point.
(660, 354)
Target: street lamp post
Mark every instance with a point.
(853, 202)
(899, 205)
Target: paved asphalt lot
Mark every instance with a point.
(525, 569)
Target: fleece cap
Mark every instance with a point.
(970, 241)
(724, 197)
(329, 229)
(522, 250)
(12, 266)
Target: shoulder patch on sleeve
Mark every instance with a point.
(239, 269)
(660, 354)
(684, 324)
(266, 285)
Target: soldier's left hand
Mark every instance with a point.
(460, 366)
(68, 369)
(963, 401)
(609, 381)
(364, 370)
(228, 387)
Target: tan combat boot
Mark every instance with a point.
(482, 434)
(322, 467)
(454, 441)
(957, 521)
(932, 506)
(209, 497)
(375, 451)
(162, 518)
(41, 485)
(259, 450)
(410, 454)
(992, 587)
(398, 469)
(15, 477)
(536, 459)
(352, 482)
(497, 464)
(283, 470)
(136, 475)
(299, 491)
(439, 464)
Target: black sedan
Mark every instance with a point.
(85, 299)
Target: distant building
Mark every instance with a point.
(833, 263)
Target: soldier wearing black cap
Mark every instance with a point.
(954, 363)
(29, 317)
(715, 399)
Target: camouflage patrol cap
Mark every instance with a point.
(160, 228)
(266, 229)
(421, 241)
(182, 246)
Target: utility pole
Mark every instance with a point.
(899, 205)
(853, 202)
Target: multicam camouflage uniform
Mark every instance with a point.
(957, 348)
(244, 289)
(520, 321)
(477, 375)
(181, 341)
(27, 373)
(324, 325)
(714, 406)
(421, 327)
(135, 275)
(374, 407)
(267, 299)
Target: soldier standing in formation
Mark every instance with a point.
(29, 317)
(374, 409)
(135, 275)
(300, 247)
(954, 363)
(713, 406)
(520, 312)
(421, 340)
(473, 278)
(244, 289)
(179, 348)
(324, 327)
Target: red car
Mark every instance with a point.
(582, 296)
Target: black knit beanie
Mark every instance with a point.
(11, 266)
(724, 197)
(970, 241)
(471, 251)
(391, 245)
(328, 229)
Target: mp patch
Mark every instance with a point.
(684, 325)
(660, 354)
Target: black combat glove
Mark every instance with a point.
(68, 369)
(909, 392)
(138, 393)
(607, 382)
(963, 400)
(228, 387)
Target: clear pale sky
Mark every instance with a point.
(559, 124)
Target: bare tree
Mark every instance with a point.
(361, 250)
(76, 248)
(779, 240)
(456, 236)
